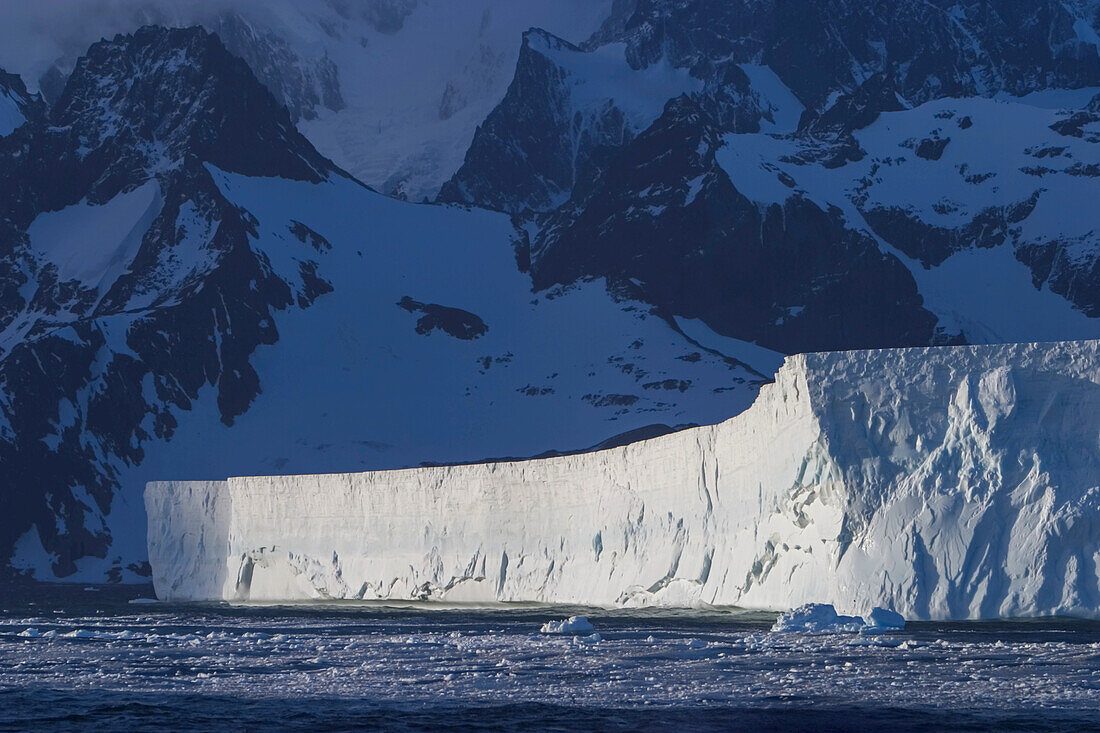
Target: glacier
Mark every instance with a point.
(943, 483)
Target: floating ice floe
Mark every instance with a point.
(575, 625)
(823, 618)
(36, 634)
(882, 618)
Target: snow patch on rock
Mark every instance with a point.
(572, 625)
(815, 618)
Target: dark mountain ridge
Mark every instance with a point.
(154, 108)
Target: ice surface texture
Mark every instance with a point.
(571, 625)
(942, 483)
(823, 618)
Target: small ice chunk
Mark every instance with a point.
(696, 644)
(817, 618)
(140, 601)
(573, 625)
(883, 618)
(80, 634)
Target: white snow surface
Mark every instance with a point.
(1006, 155)
(942, 483)
(775, 97)
(818, 618)
(571, 625)
(96, 244)
(11, 117)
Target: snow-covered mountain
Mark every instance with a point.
(813, 175)
(391, 90)
(191, 289)
(195, 283)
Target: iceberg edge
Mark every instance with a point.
(945, 483)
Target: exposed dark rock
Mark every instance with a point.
(303, 85)
(854, 111)
(526, 153)
(1055, 265)
(536, 148)
(700, 249)
(1073, 125)
(610, 400)
(821, 47)
(30, 105)
(932, 244)
(452, 321)
(680, 385)
(932, 148)
(306, 235)
(156, 106)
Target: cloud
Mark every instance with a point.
(35, 36)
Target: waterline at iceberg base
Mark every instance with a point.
(943, 483)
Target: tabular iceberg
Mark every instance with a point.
(944, 483)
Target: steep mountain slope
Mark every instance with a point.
(392, 90)
(16, 104)
(189, 288)
(802, 190)
(565, 104)
(130, 279)
(666, 217)
(824, 48)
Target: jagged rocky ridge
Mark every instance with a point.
(943, 483)
(822, 48)
(188, 285)
(391, 90)
(97, 360)
(796, 108)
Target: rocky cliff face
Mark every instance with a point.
(17, 106)
(104, 339)
(823, 48)
(666, 221)
(774, 209)
(564, 106)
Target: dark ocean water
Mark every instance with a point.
(77, 659)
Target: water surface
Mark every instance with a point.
(72, 658)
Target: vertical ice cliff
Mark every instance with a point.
(949, 482)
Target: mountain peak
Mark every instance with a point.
(167, 93)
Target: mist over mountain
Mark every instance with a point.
(391, 90)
